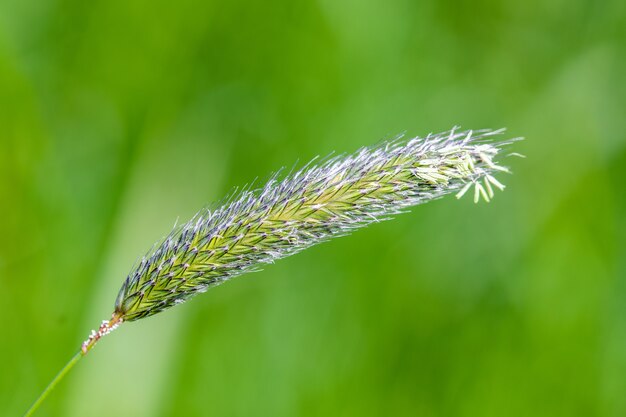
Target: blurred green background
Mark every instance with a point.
(119, 117)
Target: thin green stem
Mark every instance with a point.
(54, 382)
(105, 328)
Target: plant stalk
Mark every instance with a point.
(105, 328)
(54, 382)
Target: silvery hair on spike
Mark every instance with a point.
(320, 201)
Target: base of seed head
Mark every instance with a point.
(106, 327)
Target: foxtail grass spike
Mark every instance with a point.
(314, 204)
(322, 200)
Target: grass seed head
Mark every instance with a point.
(316, 203)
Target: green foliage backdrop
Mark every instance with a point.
(118, 117)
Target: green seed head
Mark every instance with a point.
(333, 198)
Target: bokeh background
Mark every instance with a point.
(118, 117)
